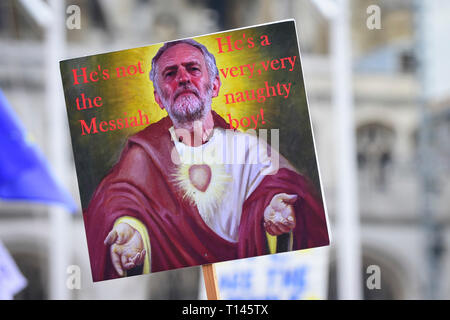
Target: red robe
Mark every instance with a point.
(140, 186)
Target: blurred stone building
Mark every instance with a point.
(387, 121)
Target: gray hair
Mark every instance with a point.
(210, 60)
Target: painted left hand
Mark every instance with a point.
(279, 215)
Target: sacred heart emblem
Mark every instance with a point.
(200, 176)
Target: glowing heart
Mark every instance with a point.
(200, 176)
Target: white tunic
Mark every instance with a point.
(239, 162)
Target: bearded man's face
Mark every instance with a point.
(183, 79)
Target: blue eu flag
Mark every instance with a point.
(24, 173)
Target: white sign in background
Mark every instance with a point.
(11, 280)
(297, 275)
(434, 30)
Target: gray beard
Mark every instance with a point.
(187, 109)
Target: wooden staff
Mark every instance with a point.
(209, 275)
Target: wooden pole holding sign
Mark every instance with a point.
(209, 275)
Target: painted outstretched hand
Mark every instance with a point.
(279, 215)
(126, 248)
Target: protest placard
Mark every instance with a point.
(194, 151)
